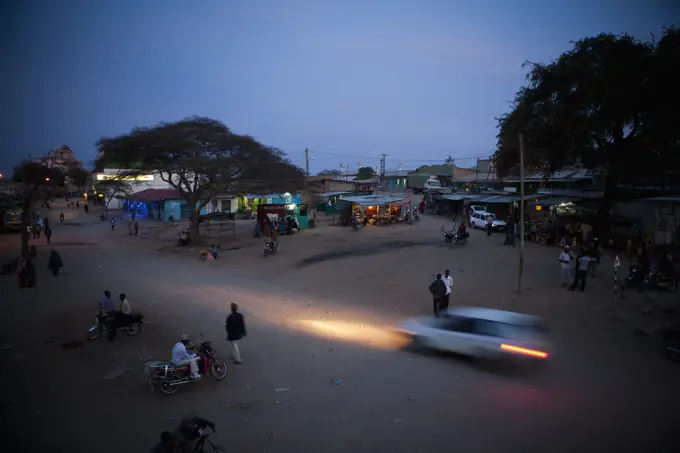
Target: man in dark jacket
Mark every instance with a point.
(236, 329)
(438, 290)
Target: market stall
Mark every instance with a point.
(374, 209)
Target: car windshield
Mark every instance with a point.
(434, 184)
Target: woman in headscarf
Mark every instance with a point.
(54, 263)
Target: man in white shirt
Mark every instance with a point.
(448, 281)
(181, 357)
(565, 260)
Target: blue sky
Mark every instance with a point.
(349, 80)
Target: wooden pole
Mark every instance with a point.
(306, 161)
(521, 213)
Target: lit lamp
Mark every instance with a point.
(539, 208)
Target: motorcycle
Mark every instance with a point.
(453, 237)
(168, 377)
(671, 339)
(130, 324)
(655, 279)
(270, 248)
(651, 279)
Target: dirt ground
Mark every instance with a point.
(319, 315)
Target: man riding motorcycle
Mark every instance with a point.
(181, 357)
(462, 231)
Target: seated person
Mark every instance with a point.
(213, 251)
(181, 357)
(462, 231)
(183, 238)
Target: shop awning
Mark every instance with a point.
(552, 201)
(456, 197)
(333, 194)
(400, 203)
(372, 200)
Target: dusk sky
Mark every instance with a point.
(349, 80)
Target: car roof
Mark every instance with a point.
(490, 314)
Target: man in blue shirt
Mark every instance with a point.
(181, 357)
(582, 263)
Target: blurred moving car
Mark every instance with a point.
(481, 332)
(478, 220)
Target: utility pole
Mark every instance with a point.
(453, 174)
(306, 161)
(521, 213)
(382, 169)
(477, 175)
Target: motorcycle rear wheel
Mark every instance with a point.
(219, 369)
(673, 349)
(134, 329)
(94, 334)
(166, 388)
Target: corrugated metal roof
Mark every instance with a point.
(662, 199)
(552, 201)
(373, 200)
(153, 195)
(332, 194)
(456, 197)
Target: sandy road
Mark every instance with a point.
(605, 390)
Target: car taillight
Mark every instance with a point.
(525, 351)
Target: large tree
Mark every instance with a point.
(365, 173)
(589, 106)
(201, 158)
(33, 182)
(78, 177)
(113, 188)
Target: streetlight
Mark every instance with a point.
(47, 179)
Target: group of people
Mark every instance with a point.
(38, 226)
(114, 316)
(440, 289)
(586, 259)
(26, 273)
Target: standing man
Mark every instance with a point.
(236, 330)
(438, 291)
(136, 229)
(489, 223)
(448, 281)
(113, 224)
(48, 233)
(582, 263)
(565, 260)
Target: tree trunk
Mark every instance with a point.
(601, 229)
(25, 222)
(194, 224)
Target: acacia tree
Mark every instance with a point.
(201, 158)
(592, 106)
(114, 188)
(34, 182)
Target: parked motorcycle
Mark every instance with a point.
(270, 248)
(657, 280)
(452, 237)
(671, 339)
(653, 278)
(130, 324)
(168, 378)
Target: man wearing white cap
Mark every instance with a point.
(181, 357)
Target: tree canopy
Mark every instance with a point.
(113, 188)
(329, 173)
(365, 173)
(608, 104)
(201, 158)
(33, 181)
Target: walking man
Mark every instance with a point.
(136, 229)
(113, 224)
(438, 291)
(565, 260)
(489, 223)
(582, 263)
(236, 330)
(48, 234)
(448, 281)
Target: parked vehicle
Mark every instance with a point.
(652, 279)
(421, 183)
(452, 237)
(270, 247)
(168, 378)
(478, 220)
(130, 324)
(671, 339)
(12, 221)
(481, 332)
